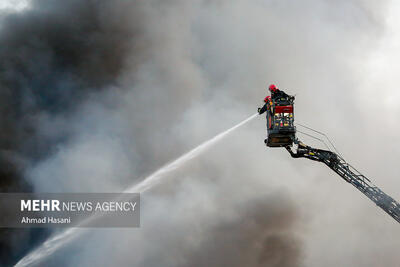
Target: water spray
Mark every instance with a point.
(60, 239)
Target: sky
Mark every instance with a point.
(103, 94)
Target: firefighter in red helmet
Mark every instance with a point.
(272, 88)
(267, 105)
(276, 93)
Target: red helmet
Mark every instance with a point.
(267, 99)
(273, 88)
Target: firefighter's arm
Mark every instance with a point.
(263, 109)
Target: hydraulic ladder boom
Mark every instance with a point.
(349, 174)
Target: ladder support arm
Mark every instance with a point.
(350, 175)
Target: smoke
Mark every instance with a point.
(96, 95)
(53, 56)
(58, 240)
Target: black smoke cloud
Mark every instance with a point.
(52, 57)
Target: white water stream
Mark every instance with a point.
(56, 241)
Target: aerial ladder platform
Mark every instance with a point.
(281, 131)
(349, 174)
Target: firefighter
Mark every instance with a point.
(267, 105)
(276, 93)
(267, 108)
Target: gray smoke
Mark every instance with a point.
(97, 94)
